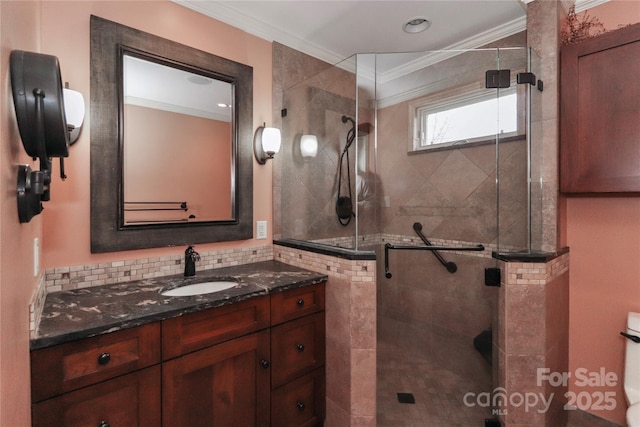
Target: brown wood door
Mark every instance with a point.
(130, 400)
(600, 114)
(225, 385)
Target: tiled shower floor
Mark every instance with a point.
(438, 392)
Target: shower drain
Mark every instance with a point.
(406, 398)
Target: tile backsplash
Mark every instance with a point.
(84, 276)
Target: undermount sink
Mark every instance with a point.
(200, 288)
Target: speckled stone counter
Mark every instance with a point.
(82, 313)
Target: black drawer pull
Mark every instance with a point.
(300, 302)
(264, 363)
(300, 348)
(300, 406)
(103, 359)
(104, 424)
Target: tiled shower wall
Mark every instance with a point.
(532, 307)
(315, 96)
(428, 311)
(351, 334)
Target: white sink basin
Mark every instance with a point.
(200, 288)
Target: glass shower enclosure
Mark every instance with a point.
(415, 151)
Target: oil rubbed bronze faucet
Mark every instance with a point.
(190, 258)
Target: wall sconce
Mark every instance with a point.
(266, 143)
(40, 112)
(74, 112)
(308, 145)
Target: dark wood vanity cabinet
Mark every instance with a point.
(600, 114)
(298, 357)
(108, 380)
(258, 362)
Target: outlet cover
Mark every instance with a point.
(261, 229)
(36, 257)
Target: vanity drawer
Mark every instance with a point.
(69, 366)
(294, 303)
(129, 400)
(300, 402)
(195, 331)
(297, 347)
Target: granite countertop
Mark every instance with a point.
(82, 313)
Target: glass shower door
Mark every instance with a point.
(440, 133)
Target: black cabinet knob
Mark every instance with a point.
(103, 359)
(264, 363)
(300, 348)
(300, 302)
(104, 423)
(300, 406)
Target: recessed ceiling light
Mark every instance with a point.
(198, 80)
(416, 25)
(223, 105)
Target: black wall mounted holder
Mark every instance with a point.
(38, 100)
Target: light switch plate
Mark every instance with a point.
(261, 229)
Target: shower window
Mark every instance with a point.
(464, 116)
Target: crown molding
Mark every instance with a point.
(430, 58)
(581, 5)
(230, 16)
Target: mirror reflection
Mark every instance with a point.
(178, 151)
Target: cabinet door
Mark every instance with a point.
(299, 403)
(297, 347)
(224, 385)
(600, 114)
(130, 400)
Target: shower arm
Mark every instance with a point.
(389, 246)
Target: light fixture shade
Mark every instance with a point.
(74, 112)
(266, 143)
(271, 140)
(309, 145)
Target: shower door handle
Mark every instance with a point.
(634, 338)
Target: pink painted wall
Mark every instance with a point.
(62, 29)
(19, 29)
(165, 152)
(66, 217)
(603, 235)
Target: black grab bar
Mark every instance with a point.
(450, 266)
(389, 246)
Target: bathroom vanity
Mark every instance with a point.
(127, 355)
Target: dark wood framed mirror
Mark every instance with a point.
(136, 138)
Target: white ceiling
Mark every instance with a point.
(335, 30)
